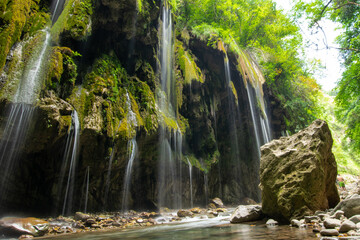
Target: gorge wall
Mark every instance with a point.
(103, 62)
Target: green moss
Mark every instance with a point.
(36, 21)
(65, 122)
(106, 78)
(62, 70)
(75, 20)
(13, 18)
(233, 90)
(186, 61)
(139, 5)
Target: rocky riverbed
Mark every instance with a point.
(341, 222)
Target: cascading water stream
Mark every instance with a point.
(29, 86)
(132, 122)
(85, 193)
(170, 151)
(20, 114)
(252, 110)
(57, 9)
(233, 110)
(69, 162)
(262, 132)
(132, 150)
(190, 177)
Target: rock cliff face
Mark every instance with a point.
(298, 173)
(103, 64)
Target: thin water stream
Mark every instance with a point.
(132, 149)
(69, 164)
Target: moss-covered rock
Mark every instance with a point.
(74, 22)
(298, 174)
(62, 71)
(21, 61)
(190, 71)
(17, 18)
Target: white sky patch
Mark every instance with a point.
(316, 48)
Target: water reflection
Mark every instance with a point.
(215, 228)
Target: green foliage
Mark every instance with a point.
(62, 71)
(188, 67)
(106, 77)
(272, 37)
(348, 95)
(109, 81)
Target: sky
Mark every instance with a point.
(329, 58)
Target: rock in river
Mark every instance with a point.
(298, 174)
(11, 226)
(246, 213)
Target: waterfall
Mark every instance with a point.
(131, 116)
(262, 132)
(132, 123)
(234, 112)
(19, 116)
(170, 150)
(257, 106)
(132, 149)
(190, 176)
(206, 188)
(69, 162)
(56, 7)
(31, 81)
(85, 192)
(108, 176)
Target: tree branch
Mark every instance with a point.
(348, 3)
(322, 12)
(348, 49)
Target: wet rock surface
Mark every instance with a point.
(15, 227)
(350, 206)
(298, 173)
(246, 213)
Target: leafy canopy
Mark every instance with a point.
(256, 25)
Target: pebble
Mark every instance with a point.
(309, 219)
(295, 223)
(329, 232)
(271, 223)
(331, 223)
(346, 226)
(338, 214)
(26, 237)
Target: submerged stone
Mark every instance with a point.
(298, 173)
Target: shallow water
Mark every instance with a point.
(214, 228)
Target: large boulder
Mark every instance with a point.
(350, 206)
(298, 173)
